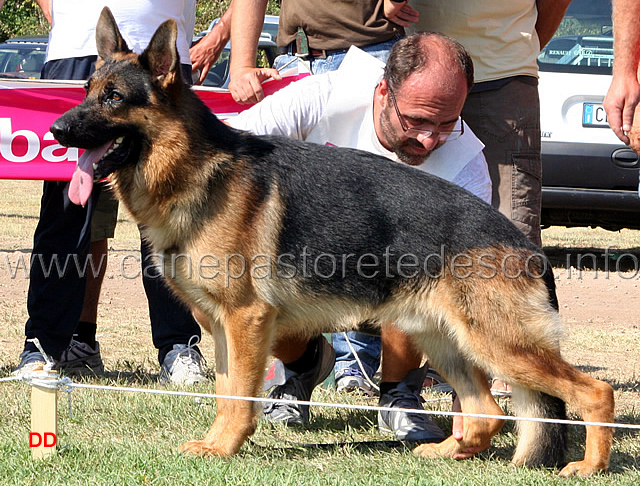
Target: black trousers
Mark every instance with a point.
(60, 250)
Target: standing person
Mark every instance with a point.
(504, 40)
(410, 115)
(59, 315)
(624, 93)
(503, 108)
(319, 32)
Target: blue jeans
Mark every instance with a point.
(332, 61)
(367, 346)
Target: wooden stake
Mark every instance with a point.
(44, 414)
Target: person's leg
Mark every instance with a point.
(83, 354)
(56, 284)
(507, 121)
(349, 373)
(301, 365)
(401, 385)
(103, 227)
(174, 331)
(399, 355)
(99, 250)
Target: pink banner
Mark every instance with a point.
(28, 108)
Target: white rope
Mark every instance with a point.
(67, 385)
(354, 407)
(10, 378)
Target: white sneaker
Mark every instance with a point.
(351, 380)
(183, 365)
(29, 362)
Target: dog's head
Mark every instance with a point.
(112, 122)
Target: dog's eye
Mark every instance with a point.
(115, 96)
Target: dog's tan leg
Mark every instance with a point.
(593, 399)
(242, 349)
(590, 398)
(473, 390)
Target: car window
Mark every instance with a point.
(21, 61)
(218, 73)
(271, 30)
(583, 42)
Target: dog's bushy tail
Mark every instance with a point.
(539, 443)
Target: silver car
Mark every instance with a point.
(589, 177)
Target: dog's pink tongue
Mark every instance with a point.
(82, 180)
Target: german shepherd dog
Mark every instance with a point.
(267, 237)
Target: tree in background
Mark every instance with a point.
(22, 17)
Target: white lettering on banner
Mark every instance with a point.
(7, 137)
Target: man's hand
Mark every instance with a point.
(246, 83)
(620, 104)
(457, 432)
(205, 53)
(400, 13)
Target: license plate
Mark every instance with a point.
(593, 115)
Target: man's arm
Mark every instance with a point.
(624, 92)
(207, 50)
(550, 13)
(246, 78)
(45, 5)
(292, 111)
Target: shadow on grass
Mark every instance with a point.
(132, 377)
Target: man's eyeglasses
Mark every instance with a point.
(425, 129)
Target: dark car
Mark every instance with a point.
(590, 178)
(22, 57)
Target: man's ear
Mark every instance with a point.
(108, 37)
(381, 94)
(161, 55)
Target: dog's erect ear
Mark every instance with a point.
(108, 37)
(161, 55)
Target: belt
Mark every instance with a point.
(315, 53)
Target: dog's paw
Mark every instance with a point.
(200, 448)
(582, 469)
(428, 451)
(449, 448)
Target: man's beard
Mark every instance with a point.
(398, 145)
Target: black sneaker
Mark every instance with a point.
(297, 386)
(81, 358)
(406, 426)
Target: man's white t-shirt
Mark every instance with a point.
(336, 108)
(73, 28)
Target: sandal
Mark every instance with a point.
(434, 381)
(499, 388)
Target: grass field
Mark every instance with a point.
(123, 438)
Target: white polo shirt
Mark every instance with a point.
(336, 108)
